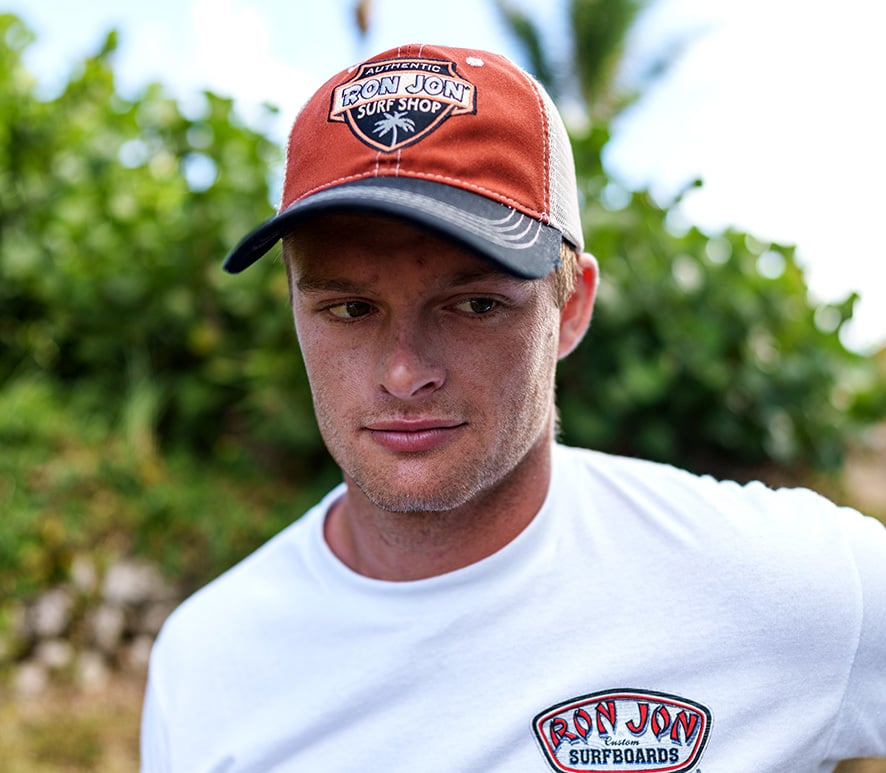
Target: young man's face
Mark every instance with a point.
(432, 373)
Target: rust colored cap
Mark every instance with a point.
(459, 141)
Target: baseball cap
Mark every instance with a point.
(459, 141)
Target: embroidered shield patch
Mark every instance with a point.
(392, 104)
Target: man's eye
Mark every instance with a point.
(350, 310)
(477, 305)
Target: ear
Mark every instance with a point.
(575, 316)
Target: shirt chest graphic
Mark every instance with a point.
(623, 730)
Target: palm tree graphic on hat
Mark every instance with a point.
(391, 123)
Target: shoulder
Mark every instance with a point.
(671, 489)
(256, 588)
(740, 526)
(784, 562)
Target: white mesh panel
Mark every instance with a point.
(564, 188)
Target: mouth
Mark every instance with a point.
(414, 436)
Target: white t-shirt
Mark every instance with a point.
(645, 620)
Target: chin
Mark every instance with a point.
(415, 500)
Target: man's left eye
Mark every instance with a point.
(350, 310)
(477, 305)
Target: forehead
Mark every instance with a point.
(361, 246)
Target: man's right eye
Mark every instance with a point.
(350, 310)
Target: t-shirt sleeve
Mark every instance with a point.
(154, 741)
(859, 729)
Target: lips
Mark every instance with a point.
(414, 436)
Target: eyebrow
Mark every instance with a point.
(317, 284)
(309, 284)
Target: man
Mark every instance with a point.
(474, 596)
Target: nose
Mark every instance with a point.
(411, 364)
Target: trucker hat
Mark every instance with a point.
(459, 141)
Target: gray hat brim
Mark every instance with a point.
(516, 242)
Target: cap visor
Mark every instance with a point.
(517, 243)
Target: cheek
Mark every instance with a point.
(537, 345)
(539, 362)
(321, 365)
(338, 375)
(539, 356)
(517, 373)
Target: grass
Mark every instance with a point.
(66, 729)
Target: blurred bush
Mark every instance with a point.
(147, 399)
(114, 215)
(74, 482)
(707, 351)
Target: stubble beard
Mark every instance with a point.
(434, 494)
(424, 484)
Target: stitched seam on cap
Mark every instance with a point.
(487, 192)
(546, 150)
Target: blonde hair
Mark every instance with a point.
(567, 273)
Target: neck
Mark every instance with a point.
(415, 545)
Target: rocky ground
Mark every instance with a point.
(84, 631)
(68, 728)
(72, 700)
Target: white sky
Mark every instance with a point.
(776, 104)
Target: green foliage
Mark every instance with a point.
(114, 216)
(705, 351)
(527, 33)
(585, 66)
(73, 481)
(600, 27)
(137, 414)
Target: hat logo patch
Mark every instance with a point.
(621, 730)
(391, 104)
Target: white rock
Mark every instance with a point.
(50, 615)
(55, 654)
(31, 679)
(107, 624)
(92, 671)
(134, 582)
